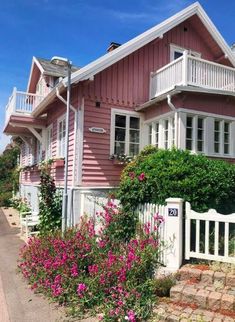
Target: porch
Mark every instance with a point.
(190, 71)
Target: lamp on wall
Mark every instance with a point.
(64, 62)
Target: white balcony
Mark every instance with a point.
(192, 71)
(22, 104)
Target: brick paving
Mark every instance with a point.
(200, 296)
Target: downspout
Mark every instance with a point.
(173, 108)
(75, 131)
(72, 188)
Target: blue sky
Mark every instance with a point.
(81, 30)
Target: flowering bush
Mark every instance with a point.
(88, 269)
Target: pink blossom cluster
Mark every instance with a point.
(85, 266)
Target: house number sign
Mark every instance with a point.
(97, 130)
(172, 212)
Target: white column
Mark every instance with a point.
(232, 139)
(209, 135)
(182, 131)
(174, 237)
(185, 68)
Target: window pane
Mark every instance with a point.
(134, 149)
(189, 121)
(177, 54)
(134, 136)
(226, 127)
(189, 144)
(119, 148)
(226, 149)
(120, 120)
(150, 134)
(216, 147)
(226, 137)
(217, 125)
(134, 123)
(217, 136)
(200, 146)
(189, 133)
(120, 134)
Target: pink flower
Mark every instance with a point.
(131, 316)
(158, 218)
(132, 175)
(141, 177)
(74, 270)
(93, 269)
(81, 289)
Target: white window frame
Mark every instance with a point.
(161, 121)
(48, 130)
(221, 137)
(128, 114)
(60, 119)
(174, 48)
(195, 132)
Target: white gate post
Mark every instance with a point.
(174, 233)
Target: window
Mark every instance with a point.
(226, 137)
(217, 136)
(126, 135)
(39, 151)
(49, 142)
(166, 133)
(61, 138)
(189, 133)
(176, 52)
(200, 134)
(150, 134)
(195, 133)
(221, 137)
(157, 134)
(162, 133)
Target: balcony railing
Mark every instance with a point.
(192, 71)
(21, 103)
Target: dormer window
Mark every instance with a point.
(176, 52)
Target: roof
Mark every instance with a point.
(158, 31)
(54, 70)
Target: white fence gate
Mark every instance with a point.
(209, 235)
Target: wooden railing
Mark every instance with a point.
(192, 71)
(22, 103)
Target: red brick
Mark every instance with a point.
(227, 302)
(214, 301)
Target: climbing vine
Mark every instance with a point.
(50, 201)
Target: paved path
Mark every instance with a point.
(17, 302)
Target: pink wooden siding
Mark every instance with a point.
(97, 169)
(126, 83)
(54, 113)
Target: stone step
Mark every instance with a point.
(205, 296)
(206, 276)
(169, 311)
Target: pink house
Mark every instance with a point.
(173, 85)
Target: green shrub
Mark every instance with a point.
(50, 201)
(5, 199)
(155, 175)
(163, 285)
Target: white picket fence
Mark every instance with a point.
(146, 214)
(214, 242)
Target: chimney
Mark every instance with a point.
(113, 46)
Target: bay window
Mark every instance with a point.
(194, 133)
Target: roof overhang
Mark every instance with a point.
(158, 31)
